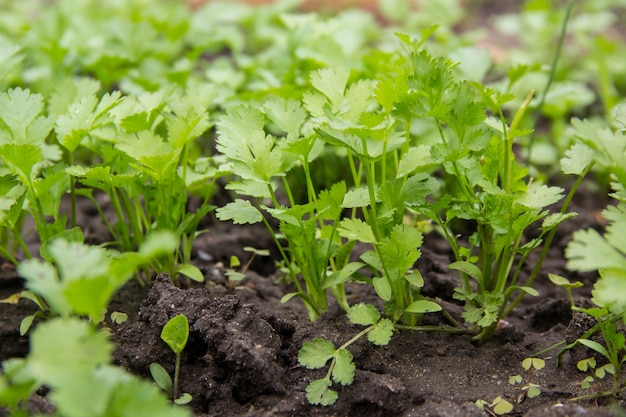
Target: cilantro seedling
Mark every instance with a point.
(566, 285)
(234, 275)
(315, 254)
(175, 333)
(499, 406)
(316, 353)
(529, 390)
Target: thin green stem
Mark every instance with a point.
(72, 193)
(8, 255)
(176, 371)
(440, 329)
(555, 61)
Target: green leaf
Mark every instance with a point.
(382, 287)
(83, 116)
(158, 243)
(382, 332)
(609, 290)
(555, 219)
(253, 154)
(318, 392)
(536, 363)
(423, 306)
(595, 346)
(400, 250)
(21, 159)
(585, 364)
(191, 271)
(468, 268)
(356, 198)
(183, 399)
(343, 372)
(20, 111)
(577, 159)
(527, 290)
(539, 196)
(134, 397)
(501, 406)
(563, 282)
(240, 212)
(74, 234)
(416, 157)
(64, 349)
(41, 278)
(161, 377)
(76, 261)
(9, 57)
(26, 323)
(363, 314)
(316, 353)
(356, 229)
(344, 275)
(331, 82)
(288, 115)
(414, 278)
(175, 333)
(589, 251)
(118, 317)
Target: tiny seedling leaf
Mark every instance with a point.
(414, 278)
(585, 364)
(318, 392)
(343, 372)
(234, 275)
(191, 271)
(161, 377)
(564, 282)
(26, 323)
(536, 363)
(118, 317)
(316, 353)
(467, 268)
(381, 333)
(363, 314)
(175, 333)
(533, 391)
(501, 406)
(595, 346)
(423, 306)
(382, 287)
(234, 262)
(183, 399)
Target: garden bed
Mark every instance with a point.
(223, 210)
(241, 358)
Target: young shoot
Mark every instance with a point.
(175, 333)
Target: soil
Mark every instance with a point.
(241, 359)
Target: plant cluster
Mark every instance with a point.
(339, 135)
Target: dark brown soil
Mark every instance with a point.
(241, 359)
